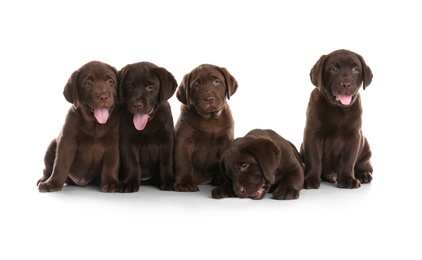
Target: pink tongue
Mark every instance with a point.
(345, 99)
(140, 121)
(101, 114)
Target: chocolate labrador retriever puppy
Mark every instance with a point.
(146, 126)
(334, 147)
(87, 148)
(205, 126)
(260, 162)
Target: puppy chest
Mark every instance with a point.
(91, 152)
(205, 155)
(336, 144)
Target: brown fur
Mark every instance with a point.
(87, 147)
(205, 126)
(334, 147)
(260, 162)
(146, 146)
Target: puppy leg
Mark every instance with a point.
(130, 169)
(290, 184)
(363, 167)
(49, 157)
(166, 168)
(65, 155)
(348, 177)
(312, 154)
(110, 169)
(183, 166)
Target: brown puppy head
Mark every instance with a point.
(251, 163)
(206, 88)
(93, 88)
(339, 75)
(143, 86)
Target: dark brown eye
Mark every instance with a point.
(244, 166)
(110, 82)
(334, 69)
(355, 70)
(89, 83)
(196, 85)
(216, 82)
(150, 88)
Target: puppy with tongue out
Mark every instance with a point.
(87, 149)
(146, 126)
(334, 148)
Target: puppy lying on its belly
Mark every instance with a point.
(260, 162)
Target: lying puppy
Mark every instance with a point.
(146, 126)
(205, 126)
(260, 162)
(88, 145)
(334, 147)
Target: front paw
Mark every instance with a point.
(222, 192)
(128, 187)
(49, 186)
(109, 187)
(286, 193)
(311, 183)
(185, 187)
(364, 177)
(349, 183)
(167, 186)
(42, 179)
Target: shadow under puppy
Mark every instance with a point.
(261, 162)
(205, 126)
(87, 149)
(146, 126)
(334, 147)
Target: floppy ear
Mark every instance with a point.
(70, 91)
(121, 78)
(116, 73)
(168, 84)
(231, 83)
(183, 91)
(317, 71)
(267, 154)
(366, 73)
(227, 157)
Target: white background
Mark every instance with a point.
(269, 47)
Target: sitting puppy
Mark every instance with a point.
(334, 147)
(205, 126)
(146, 126)
(88, 145)
(260, 162)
